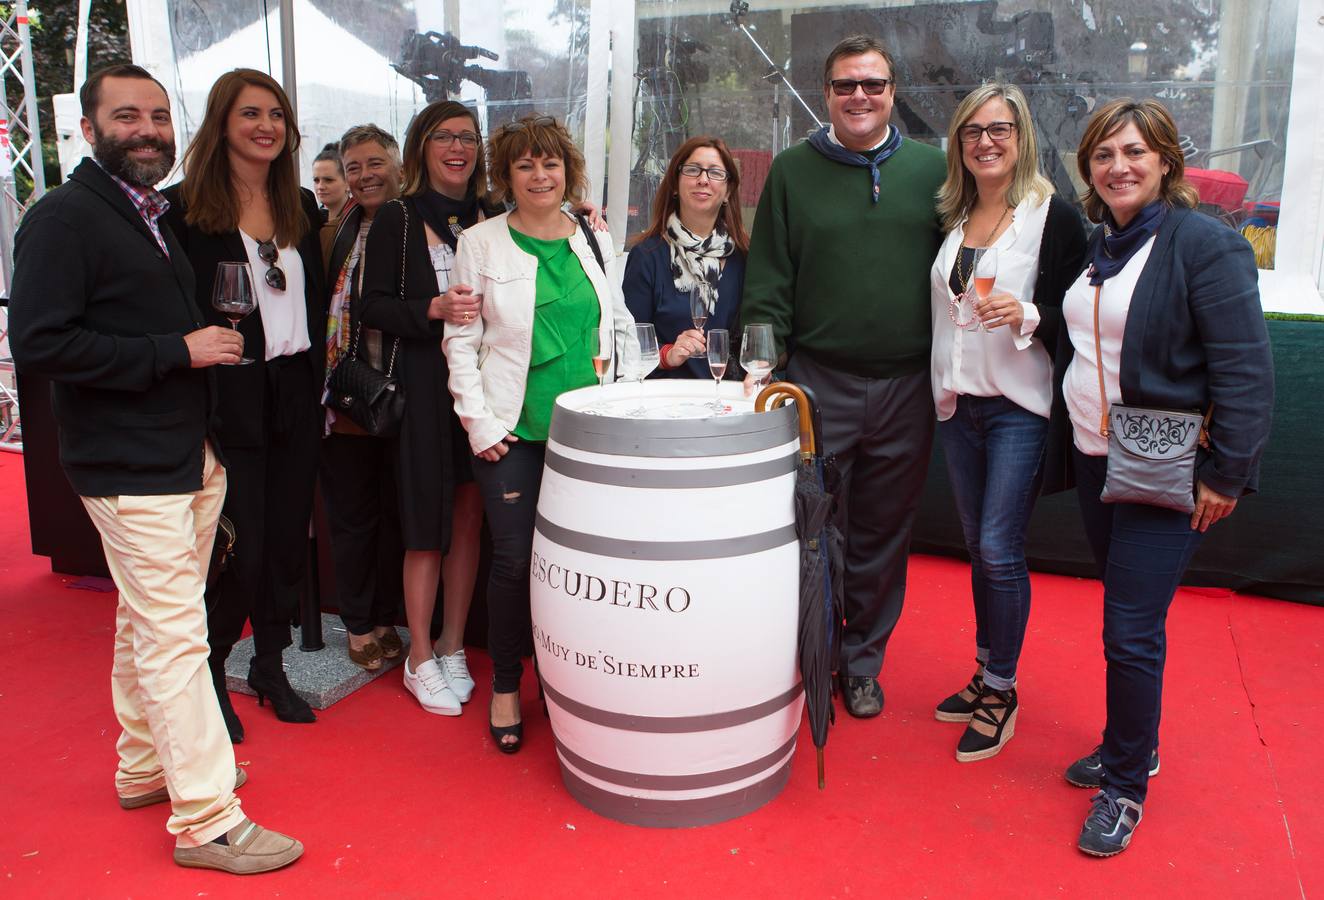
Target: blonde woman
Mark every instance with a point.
(992, 378)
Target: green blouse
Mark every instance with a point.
(565, 309)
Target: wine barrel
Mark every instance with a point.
(664, 592)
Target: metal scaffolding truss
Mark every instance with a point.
(21, 172)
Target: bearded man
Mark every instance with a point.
(103, 305)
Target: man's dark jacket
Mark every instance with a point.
(101, 311)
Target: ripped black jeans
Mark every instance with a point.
(510, 499)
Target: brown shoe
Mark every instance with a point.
(252, 849)
(390, 643)
(161, 795)
(368, 657)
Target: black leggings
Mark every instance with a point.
(510, 499)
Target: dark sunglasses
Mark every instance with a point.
(844, 87)
(267, 252)
(525, 125)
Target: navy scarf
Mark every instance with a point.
(445, 216)
(820, 141)
(1120, 244)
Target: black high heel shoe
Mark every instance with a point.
(504, 731)
(268, 681)
(232, 723)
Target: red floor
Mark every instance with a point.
(392, 802)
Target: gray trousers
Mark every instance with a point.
(881, 432)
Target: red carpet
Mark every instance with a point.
(392, 802)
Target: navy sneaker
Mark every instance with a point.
(1110, 824)
(1087, 772)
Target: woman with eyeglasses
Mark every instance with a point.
(695, 239)
(445, 193)
(240, 201)
(993, 377)
(549, 291)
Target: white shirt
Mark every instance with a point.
(1000, 362)
(284, 315)
(1080, 388)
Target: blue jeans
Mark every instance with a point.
(1142, 552)
(994, 449)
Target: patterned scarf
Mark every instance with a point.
(825, 145)
(696, 260)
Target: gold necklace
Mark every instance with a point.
(964, 278)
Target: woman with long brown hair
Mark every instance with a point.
(240, 201)
(445, 184)
(696, 238)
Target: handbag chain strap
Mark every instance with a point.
(358, 330)
(1103, 394)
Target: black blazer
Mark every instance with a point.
(1195, 335)
(242, 413)
(101, 311)
(651, 296)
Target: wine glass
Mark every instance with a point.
(985, 272)
(699, 305)
(756, 353)
(719, 351)
(232, 296)
(601, 342)
(646, 335)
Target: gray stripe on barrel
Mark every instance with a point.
(618, 548)
(671, 724)
(670, 478)
(674, 438)
(655, 782)
(658, 813)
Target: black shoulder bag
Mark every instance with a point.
(373, 400)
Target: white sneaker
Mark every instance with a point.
(455, 669)
(429, 686)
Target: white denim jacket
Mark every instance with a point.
(489, 357)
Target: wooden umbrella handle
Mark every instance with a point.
(780, 393)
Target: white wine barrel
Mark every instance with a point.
(664, 591)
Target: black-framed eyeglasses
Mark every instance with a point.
(844, 87)
(446, 138)
(714, 173)
(267, 252)
(997, 131)
(525, 124)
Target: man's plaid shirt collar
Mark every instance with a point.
(150, 203)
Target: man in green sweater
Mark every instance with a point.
(839, 265)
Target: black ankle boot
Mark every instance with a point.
(267, 678)
(232, 723)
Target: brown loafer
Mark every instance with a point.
(161, 795)
(251, 849)
(369, 657)
(391, 644)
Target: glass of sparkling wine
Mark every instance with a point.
(719, 351)
(756, 352)
(646, 335)
(986, 272)
(699, 305)
(601, 341)
(232, 296)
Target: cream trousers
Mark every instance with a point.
(158, 549)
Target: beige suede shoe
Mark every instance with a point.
(252, 849)
(162, 795)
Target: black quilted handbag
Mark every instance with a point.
(374, 400)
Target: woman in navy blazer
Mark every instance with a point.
(240, 201)
(696, 236)
(1169, 312)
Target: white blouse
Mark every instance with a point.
(1000, 362)
(284, 313)
(1080, 387)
